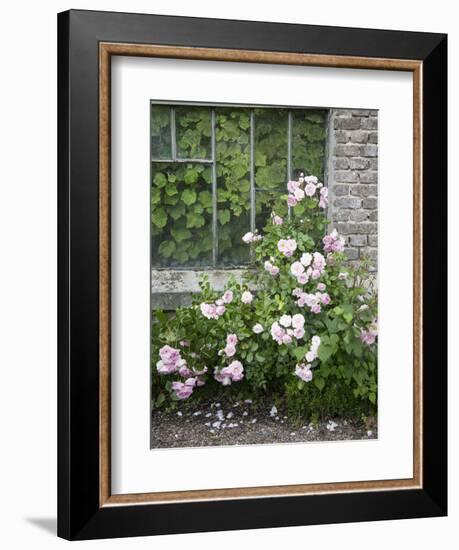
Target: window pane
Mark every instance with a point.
(232, 136)
(271, 149)
(193, 130)
(308, 137)
(181, 205)
(160, 132)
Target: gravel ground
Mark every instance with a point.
(242, 424)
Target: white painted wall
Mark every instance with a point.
(28, 272)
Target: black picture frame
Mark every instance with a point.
(80, 515)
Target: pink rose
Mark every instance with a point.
(321, 287)
(220, 310)
(310, 189)
(316, 308)
(297, 268)
(304, 372)
(258, 328)
(277, 220)
(291, 201)
(227, 296)
(292, 185)
(246, 297)
(231, 339)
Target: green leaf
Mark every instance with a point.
(160, 179)
(319, 382)
(180, 234)
(166, 249)
(171, 190)
(159, 217)
(176, 211)
(300, 352)
(189, 196)
(205, 198)
(224, 216)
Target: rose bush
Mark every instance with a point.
(301, 327)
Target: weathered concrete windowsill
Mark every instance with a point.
(173, 288)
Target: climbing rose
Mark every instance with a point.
(258, 328)
(304, 372)
(310, 189)
(231, 339)
(227, 297)
(247, 297)
(287, 246)
(184, 390)
(297, 268)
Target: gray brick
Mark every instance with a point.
(341, 215)
(340, 189)
(351, 253)
(340, 163)
(360, 112)
(371, 253)
(346, 228)
(358, 240)
(370, 203)
(342, 136)
(347, 123)
(358, 136)
(346, 176)
(364, 190)
(373, 240)
(373, 216)
(373, 164)
(359, 164)
(369, 177)
(367, 228)
(358, 215)
(373, 137)
(367, 150)
(349, 150)
(370, 123)
(347, 202)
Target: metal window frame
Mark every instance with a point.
(213, 160)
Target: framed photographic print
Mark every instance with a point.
(252, 274)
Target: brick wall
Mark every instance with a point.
(353, 180)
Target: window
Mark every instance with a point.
(218, 172)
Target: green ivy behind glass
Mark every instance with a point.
(181, 194)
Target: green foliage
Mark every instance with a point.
(181, 193)
(344, 369)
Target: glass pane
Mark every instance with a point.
(271, 149)
(160, 132)
(308, 140)
(232, 136)
(181, 206)
(193, 130)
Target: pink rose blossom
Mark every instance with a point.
(306, 259)
(184, 390)
(277, 220)
(297, 268)
(333, 242)
(258, 328)
(298, 333)
(297, 320)
(287, 246)
(316, 308)
(342, 276)
(220, 310)
(209, 311)
(312, 179)
(292, 186)
(246, 297)
(325, 298)
(323, 201)
(248, 237)
(230, 350)
(286, 339)
(310, 189)
(285, 320)
(304, 372)
(231, 339)
(303, 278)
(274, 271)
(321, 287)
(298, 194)
(291, 201)
(227, 296)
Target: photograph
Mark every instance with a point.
(264, 294)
